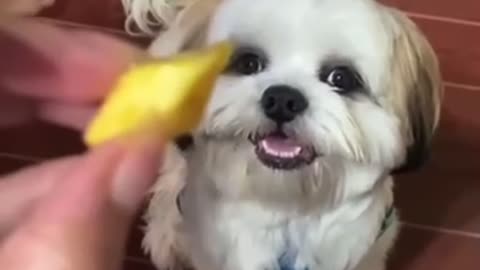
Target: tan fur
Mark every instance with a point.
(417, 86)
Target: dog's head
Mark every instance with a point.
(316, 89)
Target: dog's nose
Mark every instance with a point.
(282, 103)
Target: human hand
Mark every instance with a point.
(24, 7)
(75, 212)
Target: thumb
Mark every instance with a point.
(83, 223)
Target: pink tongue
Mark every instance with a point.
(281, 144)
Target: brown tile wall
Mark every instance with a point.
(440, 205)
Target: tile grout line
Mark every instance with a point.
(443, 19)
(136, 259)
(442, 230)
(467, 87)
(20, 157)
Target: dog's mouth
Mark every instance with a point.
(277, 150)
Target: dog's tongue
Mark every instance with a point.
(275, 144)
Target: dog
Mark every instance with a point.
(292, 166)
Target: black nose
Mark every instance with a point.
(282, 103)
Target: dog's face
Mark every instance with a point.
(317, 92)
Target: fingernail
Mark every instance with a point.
(137, 172)
(50, 61)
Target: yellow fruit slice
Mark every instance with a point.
(166, 96)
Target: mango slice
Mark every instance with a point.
(167, 96)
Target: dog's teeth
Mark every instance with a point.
(269, 150)
(282, 154)
(287, 155)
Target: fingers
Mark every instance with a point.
(54, 74)
(68, 115)
(42, 61)
(25, 188)
(84, 221)
(23, 7)
(15, 110)
(82, 206)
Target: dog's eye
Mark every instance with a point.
(247, 63)
(343, 78)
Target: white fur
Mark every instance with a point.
(147, 17)
(241, 215)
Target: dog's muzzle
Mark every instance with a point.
(279, 150)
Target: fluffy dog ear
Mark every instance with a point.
(176, 25)
(187, 31)
(417, 93)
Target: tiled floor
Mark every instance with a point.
(466, 10)
(426, 249)
(440, 206)
(447, 193)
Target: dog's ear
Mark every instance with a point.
(188, 31)
(418, 91)
(176, 25)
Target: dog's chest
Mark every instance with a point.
(249, 232)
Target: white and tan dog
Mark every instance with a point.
(291, 169)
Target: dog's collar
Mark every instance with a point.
(179, 201)
(387, 221)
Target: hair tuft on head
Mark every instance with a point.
(151, 17)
